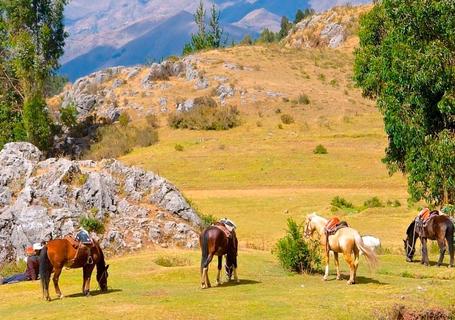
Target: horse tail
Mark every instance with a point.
(204, 242)
(450, 237)
(45, 268)
(367, 251)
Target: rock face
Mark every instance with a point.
(326, 29)
(40, 200)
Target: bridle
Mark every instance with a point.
(307, 232)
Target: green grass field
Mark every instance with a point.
(259, 175)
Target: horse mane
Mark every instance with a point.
(410, 228)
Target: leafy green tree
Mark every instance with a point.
(406, 62)
(68, 116)
(267, 36)
(286, 25)
(32, 37)
(247, 40)
(204, 39)
(299, 16)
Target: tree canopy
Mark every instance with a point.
(406, 62)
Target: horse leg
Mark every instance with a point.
(205, 271)
(220, 266)
(236, 278)
(356, 262)
(442, 251)
(425, 259)
(326, 273)
(337, 265)
(87, 273)
(57, 273)
(450, 245)
(348, 259)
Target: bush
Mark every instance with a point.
(204, 117)
(320, 149)
(114, 141)
(449, 210)
(394, 203)
(341, 203)
(8, 269)
(208, 220)
(124, 119)
(287, 118)
(172, 261)
(280, 126)
(296, 253)
(68, 116)
(152, 121)
(247, 40)
(92, 224)
(373, 203)
(37, 123)
(178, 147)
(303, 99)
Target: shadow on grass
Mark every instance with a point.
(93, 293)
(241, 283)
(366, 280)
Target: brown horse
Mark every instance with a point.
(439, 228)
(214, 241)
(346, 241)
(60, 253)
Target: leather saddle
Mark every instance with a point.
(223, 228)
(425, 216)
(81, 248)
(333, 225)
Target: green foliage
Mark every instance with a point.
(55, 85)
(37, 123)
(341, 203)
(267, 36)
(296, 253)
(11, 125)
(373, 203)
(449, 210)
(202, 39)
(287, 118)
(124, 119)
(286, 25)
(303, 99)
(92, 224)
(172, 261)
(204, 117)
(320, 149)
(300, 15)
(11, 268)
(247, 40)
(115, 140)
(68, 116)
(152, 121)
(394, 203)
(208, 220)
(411, 74)
(179, 147)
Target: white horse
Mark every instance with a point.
(345, 240)
(372, 242)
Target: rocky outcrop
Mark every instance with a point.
(326, 29)
(40, 200)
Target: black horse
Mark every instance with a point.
(214, 240)
(439, 228)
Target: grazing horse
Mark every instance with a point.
(346, 241)
(60, 253)
(214, 240)
(439, 228)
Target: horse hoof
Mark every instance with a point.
(237, 281)
(339, 278)
(48, 299)
(350, 282)
(218, 283)
(61, 296)
(324, 279)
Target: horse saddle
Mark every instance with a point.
(333, 225)
(223, 228)
(425, 216)
(80, 247)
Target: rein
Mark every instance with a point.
(413, 239)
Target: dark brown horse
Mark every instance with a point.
(439, 228)
(215, 242)
(61, 253)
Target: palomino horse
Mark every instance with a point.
(345, 240)
(214, 241)
(60, 253)
(438, 228)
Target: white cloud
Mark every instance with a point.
(322, 5)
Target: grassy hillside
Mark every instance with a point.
(259, 174)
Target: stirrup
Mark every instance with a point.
(89, 260)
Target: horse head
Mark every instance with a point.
(102, 276)
(309, 226)
(409, 242)
(231, 257)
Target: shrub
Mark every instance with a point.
(341, 203)
(114, 141)
(296, 253)
(280, 126)
(449, 210)
(91, 224)
(320, 149)
(124, 119)
(37, 123)
(258, 123)
(247, 40)
(277, 110)
(394, 203)
(287, 118)
(152, 121)
(303, 99)
(373, 203)
(178, 147)
(8, 269)
(204, 117)
(68, 116)
(208, 220)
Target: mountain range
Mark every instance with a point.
(105, 33)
